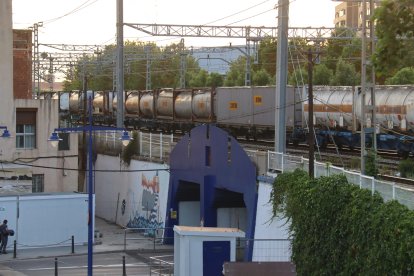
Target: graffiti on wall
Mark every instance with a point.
(147, 213)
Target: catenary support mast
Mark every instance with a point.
(281, 75)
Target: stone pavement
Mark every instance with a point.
(112, 240)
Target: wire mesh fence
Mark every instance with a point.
(279, 162)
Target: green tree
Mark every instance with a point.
(345, 74)
(165, 67)
(322, 75)
(199, 79)
(261, 77)
(406, 168)
(236, 75)
(299, 77)
(215, 80)
(404, 76)
(267, 55)
(351, 52)
(394, 30)
(334, 48)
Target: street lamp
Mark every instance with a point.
(6, 133)
(54, 140)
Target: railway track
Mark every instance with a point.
(387, 161)
(345, 157)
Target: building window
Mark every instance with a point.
(25, 136)
(38, 183)
(25, 128)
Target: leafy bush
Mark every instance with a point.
(371, 166)
(406, 168)
(131, 149)
(340, 229)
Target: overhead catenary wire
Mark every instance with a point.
(80, 7)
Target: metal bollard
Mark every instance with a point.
(125, 239)
(123, 266)
(14, 249)
(73, 244)
(56, 267)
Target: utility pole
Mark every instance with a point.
(120, 63)
(148, 67)
(365, 127)
(36, 61)
(311, 138)
(281, 75)
(364, 108)
(183, 63)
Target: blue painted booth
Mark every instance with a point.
(209, 166)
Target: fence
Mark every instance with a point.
(279, 162)
(265, 250)
(146, 238)
(150, 145)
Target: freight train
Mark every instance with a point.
(250, 112)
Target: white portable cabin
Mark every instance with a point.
(202, 251)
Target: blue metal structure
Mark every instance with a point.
(54, 139)
(209, 166)
(6, 133)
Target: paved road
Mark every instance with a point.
(103, 264)
(108, 252)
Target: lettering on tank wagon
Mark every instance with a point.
(380, 109)
(257, 100)
(233, 105)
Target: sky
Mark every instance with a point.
(93, 22)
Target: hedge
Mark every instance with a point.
(339, 229)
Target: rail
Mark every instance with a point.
(279, 162)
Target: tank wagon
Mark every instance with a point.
(250, 112)
(242, 112)
(341, 107)
(337, 114)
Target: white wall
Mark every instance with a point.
(232, 218)
(189, 213)
(46, 220)
(268, 228)
(137, 187)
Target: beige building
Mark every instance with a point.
(28, 154)
(349, 14)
